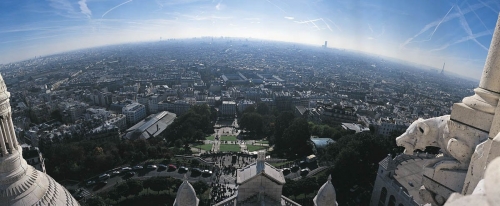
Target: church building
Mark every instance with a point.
(258, 184)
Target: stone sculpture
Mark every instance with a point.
(436, 132)
(457, 144)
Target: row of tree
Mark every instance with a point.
(257, 120)
(79, 160)
(354, 159)
(131, 188)
(191, 126)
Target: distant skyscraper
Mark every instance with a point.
(326, 44)
(442, 70)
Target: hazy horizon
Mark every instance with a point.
(423, 32)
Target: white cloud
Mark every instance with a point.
(251, 19)
(289, 17)
(220, 6)
(84, 8)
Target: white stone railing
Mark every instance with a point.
(402, 157)
(311, 173)
(288, 202)
(316, 171)
(230, 201)
(396, 186)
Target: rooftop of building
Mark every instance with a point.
(321, 142)
(250, 171)
(355, 127)
(133, 107)
(152, 126)
(408, 173)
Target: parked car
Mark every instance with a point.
(162, 166)
(286, 171)
(304, 172)
(138, 167)
(104, 177)
(196, 171)
(126, 169)
(129, 174)
(303, 164)
(207, 173)
(183, 169)
(101, 184)
(172, 167)
(116, 172)
(152, 167)
(91, 182)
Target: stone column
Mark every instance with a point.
(9, 132)
(10, 126)
(486, 95)
(2, 143)
(5, 136)
(478, 110)
(5, 130)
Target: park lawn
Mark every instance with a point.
(252, 148)
(228, 138)
(262, 142)
(229, 148)
(211, 137)
(206, 147)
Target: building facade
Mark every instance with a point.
(228, 108)
(34, 157)
(134, 113)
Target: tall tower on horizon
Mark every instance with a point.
(326, 44)
(442, 70)
(20, 183)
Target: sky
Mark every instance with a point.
(428, 32)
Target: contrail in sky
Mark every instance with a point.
(115, 7)
(480, 19)
(276, 6)
(446, 19)
(466, 27)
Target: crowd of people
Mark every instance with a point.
(227, 164)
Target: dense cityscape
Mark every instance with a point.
(113, 124)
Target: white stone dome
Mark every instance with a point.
(186, 196)
(20, 183)
(326, 195)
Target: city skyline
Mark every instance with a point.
(424, 32)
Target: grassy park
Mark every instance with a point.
(262, 142)
(211, 137)
(252, 148)
(206, 147)
(228, 138)
(229, 148)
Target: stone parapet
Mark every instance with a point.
(473, 118)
